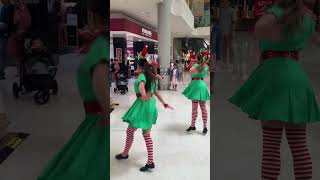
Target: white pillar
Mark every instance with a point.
(164, 26)
(111, 48)
(130, 50)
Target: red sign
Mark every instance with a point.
(121, 24)
(260, 6)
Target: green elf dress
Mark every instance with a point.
(142, 114)
(279, 89)
(86, 156)
(197, 90)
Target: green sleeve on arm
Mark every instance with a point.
(275, 10)
(141, 78)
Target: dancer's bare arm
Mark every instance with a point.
(144, 95)
(156, 92)
(100, 79)
(166, 105)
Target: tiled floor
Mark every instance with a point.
(178, 155)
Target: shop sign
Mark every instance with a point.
(146, 32)
(72, 20)
(72, 29)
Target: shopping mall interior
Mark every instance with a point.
(171, 32)
(42, 130)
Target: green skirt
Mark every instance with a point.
(197, 90)
(85, 156)
(142, 114)
(279, 89)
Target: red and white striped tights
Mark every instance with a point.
(147, 139)
(195, 113)
(271, 160)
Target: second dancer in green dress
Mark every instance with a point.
(143, 113)
(197, 91)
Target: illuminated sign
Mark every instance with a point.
(146, 32)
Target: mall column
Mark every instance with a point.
(164, 26)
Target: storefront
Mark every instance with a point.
(129, 37)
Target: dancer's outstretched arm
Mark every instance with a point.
(166, 105)
(101, 90)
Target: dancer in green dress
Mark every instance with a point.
(197, 91)
(279, 92)
(86, 155)
(143, 113)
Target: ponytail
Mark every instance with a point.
(202, 63)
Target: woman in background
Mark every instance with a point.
(197, 91)
(143, 113)
(174, 77)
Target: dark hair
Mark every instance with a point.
(202, 63)
(148, 71)
(294, 21)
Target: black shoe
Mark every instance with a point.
(191, 128)
(147, 167)
(205, 130)
(119, 157)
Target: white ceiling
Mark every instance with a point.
(145, 11)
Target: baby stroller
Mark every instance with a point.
(37, 73)
(121, 83)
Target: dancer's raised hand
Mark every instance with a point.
(167, 106)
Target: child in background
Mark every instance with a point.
(174, 77)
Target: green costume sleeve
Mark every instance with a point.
(275, 10)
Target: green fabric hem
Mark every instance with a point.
(282, 119)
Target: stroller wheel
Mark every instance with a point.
(41, 97)
(55, 88)
(123, 92)
(15, 90)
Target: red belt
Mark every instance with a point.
(92, 107)
(139, 95)
(280, 54)
(193, 79)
